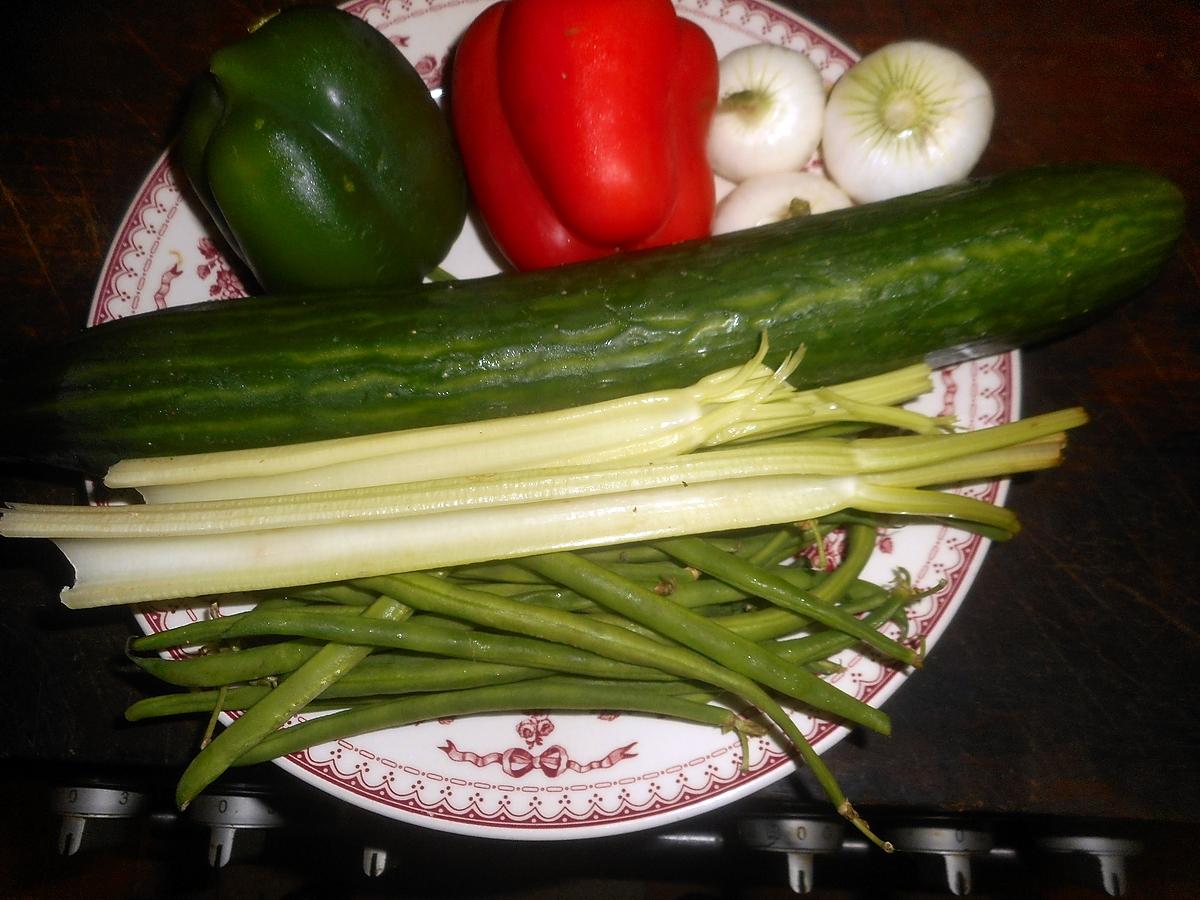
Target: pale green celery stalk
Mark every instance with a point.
(872, 401)
(780, 413)
(130, 570)
(618, 506)
(666, 422)
(879, 414)
(111, 571)
(897, 493)
(1040, 453)
(397, 501)
(935, 504)
(925, 458)
(913, 453)
(726, 406)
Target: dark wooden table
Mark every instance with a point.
(1066, 686)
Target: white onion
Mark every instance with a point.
(764, 199)
(770, 113)
(908, 117)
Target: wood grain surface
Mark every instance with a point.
(1067, 684)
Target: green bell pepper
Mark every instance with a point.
(321, 156)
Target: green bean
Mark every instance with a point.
(823, 667)
(351, 689)
(685, 665)
(229, 667)
(781, 546)
(821, 646)
(721, 610)
(645, 565)
(763, 625)
(468, 644)
(767, 624)
(690, 594)
(625, 553)
(420, 676)
(206, 631)
(654, 574)
(642, 657)
(452, 674)
(424, 620)
(383, 672)
(416, 637)
(680, 661)
(743, 544)
(703, 636)
(548, 693)
(558, 597)
(537, 595)
(425, 592)
(774, 589)
(848, 517)
(293, 693)
(668, 576)
(494, 571)
(431, 594)
(649, 572)
(278, 602)
(334, 593)
(708, 591)
(585, 633)
(609, 618)
(712, 590)
(391, 671)
(235, 698)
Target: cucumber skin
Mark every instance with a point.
(943, 275)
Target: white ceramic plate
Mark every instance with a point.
(535, 776)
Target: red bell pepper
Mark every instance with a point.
(582, 126)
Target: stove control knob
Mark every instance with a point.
(1108, 854)
(800, 839)
(93, 816)
(234, 821)
(954, 844)
(375, 861)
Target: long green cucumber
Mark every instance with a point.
(942, 275)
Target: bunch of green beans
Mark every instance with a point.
(696, 629)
